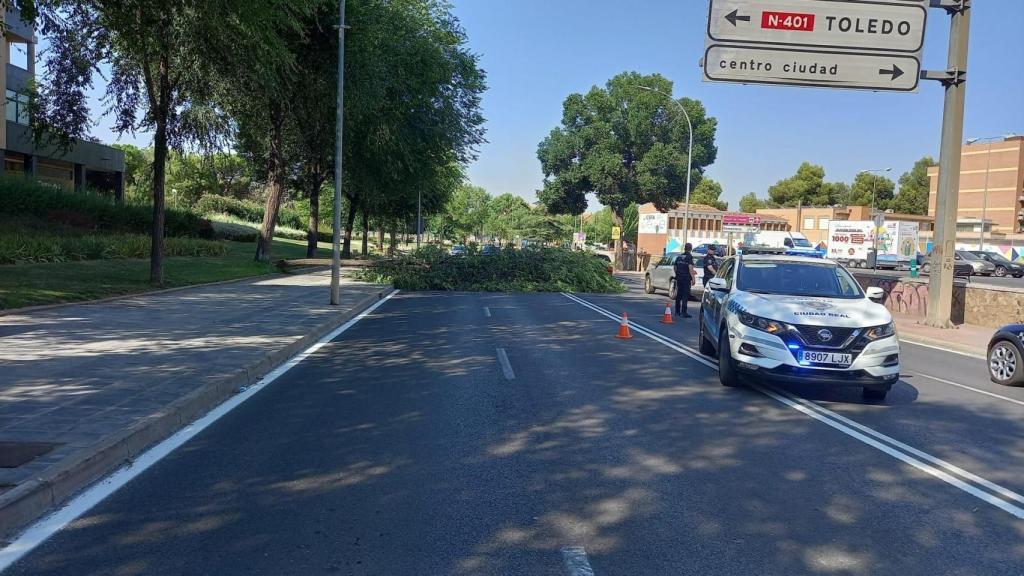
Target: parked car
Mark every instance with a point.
(981, 267)
(660, 275)
(961, 269)
(1006, 355)
(1004, 266)
(489, 250)
(606, 260)
(458, 250)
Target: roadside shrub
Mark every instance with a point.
(529, 270)
(23, 197)
(245, 209)
(24, 247)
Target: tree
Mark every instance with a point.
(508, 214)
(465, 214)
(750, 203)
(631, 223)
(836, 193)
(164, 57)
(871, 190)
(626, 145)
(806, 187)
(708, 192)
(598, 227)
(914, 189)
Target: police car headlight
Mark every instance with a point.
(879, 332)
(763, 324)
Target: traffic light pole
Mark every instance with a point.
(940, 284)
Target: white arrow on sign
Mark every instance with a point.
(817, 68)
(864, 25)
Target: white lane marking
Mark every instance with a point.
(487, 312)
(506, 366)
(576, 563)
(940, 348)
(39, 532)
(971, 388)
(852, 428)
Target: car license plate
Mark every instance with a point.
(827, 358)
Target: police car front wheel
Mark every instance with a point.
(727, 374)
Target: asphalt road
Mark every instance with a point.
(512, 434)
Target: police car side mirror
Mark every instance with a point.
(718, 285)
(875, 294)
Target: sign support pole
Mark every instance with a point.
(940, 284)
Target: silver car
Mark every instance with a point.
(661, 275)
(981, 267)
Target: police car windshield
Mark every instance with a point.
(821, 280)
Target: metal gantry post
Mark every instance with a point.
(940, 285)
(336, 241)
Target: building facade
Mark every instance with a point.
(84, 165)
(813, 222)
(991, 186)
(656, 228)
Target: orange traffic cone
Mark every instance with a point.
(624, 333)
(667, 318)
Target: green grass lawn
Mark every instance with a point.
(35, 284)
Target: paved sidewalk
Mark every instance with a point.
(89, 386)
(965, 338)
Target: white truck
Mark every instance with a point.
(851, 242)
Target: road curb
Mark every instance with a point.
(944, 345)
(31, 499)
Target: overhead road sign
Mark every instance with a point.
(862, 25)
(818, 68)
(740, 228)
(741, 220)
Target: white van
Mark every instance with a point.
(794, 243)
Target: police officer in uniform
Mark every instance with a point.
(686, 276)
(710, 264)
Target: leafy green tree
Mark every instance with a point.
(914, 188)
(631, 224)
(871, 190)
(836, 193)
(708, 192)
(625, 144)
(508, 215)
(465, 214)
(164, 57)
(598, 227)
(807, 187)
(750, 203)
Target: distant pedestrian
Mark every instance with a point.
(710, 264)
(686, 277)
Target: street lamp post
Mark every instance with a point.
(988, 165)
(874, 264)
(689, 158)
(340, 112)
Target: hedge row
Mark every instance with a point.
(248, 210)
(23, 197)
(23, 247)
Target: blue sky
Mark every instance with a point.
(537, 52)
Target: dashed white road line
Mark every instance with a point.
(936, 467)
(576, 563)
(39, 532)
(971, 388)
(506, 366)
(487, 312)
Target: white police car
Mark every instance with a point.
(796, 319)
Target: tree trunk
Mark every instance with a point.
(394, 242)
(156, 251)
(366, 234)
(313, 236)
(617, 221)
(380, 237)
(350, 219)
(275, 179)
